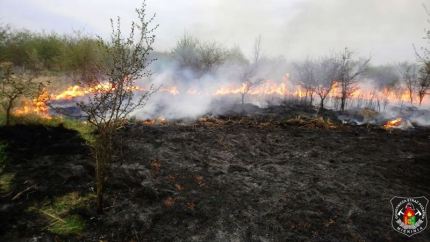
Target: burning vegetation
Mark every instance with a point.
(393, 123)
(283, 90)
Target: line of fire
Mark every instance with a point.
(361, 98)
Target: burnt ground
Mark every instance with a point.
(230, 179)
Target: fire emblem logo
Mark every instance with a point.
(409, 215)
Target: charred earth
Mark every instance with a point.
(285, 177)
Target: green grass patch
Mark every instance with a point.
(59, 213)
(6, 182)
(67, 202)
(27, 119)
(72, 224)
(84, 129)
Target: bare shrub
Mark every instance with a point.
(327, 74)
(15, 83)
(306, 77)
(248, 78)
(349, 71)
(409, 74)
(114, 95)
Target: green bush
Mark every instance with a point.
(50, 52)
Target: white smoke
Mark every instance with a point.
(184, 93)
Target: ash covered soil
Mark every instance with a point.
(229, 179)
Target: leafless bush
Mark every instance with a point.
(249, 79)
(15, 84)
(327, 73)
(114, 95)
(306, 77)
(349, 71)
(409, 74)
(424, 71)
(424, 81)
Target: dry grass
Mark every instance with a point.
(307, 122)
(59, 213)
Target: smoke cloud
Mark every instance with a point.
(384, 29)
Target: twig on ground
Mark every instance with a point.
(19, 194)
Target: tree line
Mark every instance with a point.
(49, 51)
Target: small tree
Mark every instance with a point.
(234, 56)
(211, 55)
(327, 74)
(424, 71)
(248, 77)
(349, 70)
(83, 58)
(201, 57)
(186, 52)
(114, 96)
(423, 81)
(409, 74)
(14, 84)
(305, 75)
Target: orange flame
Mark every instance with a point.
(36, 106)
(267, 87)
(156, 121)
(172, 90)
(281, 88)
(78, 91)
(393, 123)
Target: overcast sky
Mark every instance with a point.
(384, 29)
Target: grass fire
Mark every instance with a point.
(275, 121)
